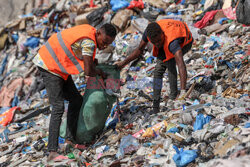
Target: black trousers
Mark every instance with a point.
(59, 90)
(160, 69)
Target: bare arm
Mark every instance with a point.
(89, 67)
(134, 55)
(182, 68)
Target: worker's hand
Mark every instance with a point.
(96, 62)
(101, 73)
(182, 94)
(119, 64)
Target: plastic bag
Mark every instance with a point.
(91, 4)
(182, 158)
(3, 64)
(114, 117)
(201, 121)
(112, 121)
(128, 144)
(32, 42)
(136, 4)
(15, 37)
(173, 130)
(247, 125)
(95, 17)
(118, 4)
(214, 46)
(150, 59)
(7, 116)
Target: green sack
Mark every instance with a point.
(97, 105)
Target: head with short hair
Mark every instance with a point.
(105, 36)
(155, 34)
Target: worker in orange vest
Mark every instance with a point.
(69, 52)
(171, 39)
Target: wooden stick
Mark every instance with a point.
(190, 90)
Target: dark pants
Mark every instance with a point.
(160, 69)
(59, 90)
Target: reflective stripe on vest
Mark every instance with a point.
(53, 55)
(188, 35)
(67, 52)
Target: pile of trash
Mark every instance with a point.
(210, 127)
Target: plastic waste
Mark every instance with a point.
(167, 142)
(139, 24)
(154, 130)
(39, 145)
(71, 156)
(7, 116)
(184, 157)
(173, 130)
(15, 37)
(134, 68)
(95, 17)
(3, 64)
(118, 4)
(15, 101)
(128, 144)
(136, 4)
(201, 121)
(32, 42)
(223, 83)
(150, 59)
(247, 125)
(91, 4)
(214, 46)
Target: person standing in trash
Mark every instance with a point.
(70, 51)
(171, 40)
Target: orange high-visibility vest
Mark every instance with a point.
(173, 29)
(57, 54)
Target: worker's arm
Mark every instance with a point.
(134, 55)
(181, 68)
(90, 67)
(84, 51)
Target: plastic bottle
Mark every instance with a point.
(219, 90)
